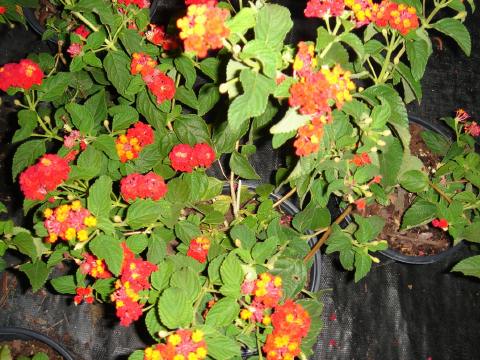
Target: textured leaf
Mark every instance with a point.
(414, 181)
(469, 266)
(37, 273)
(26, 155)
(223, 313)
(457, 31)
(273, 24)
(174, 309)
(421, 212)
(363, 264)
(240, 166)
(117, 65)
(99, 202)
(418, 53)
(64, 284)
(290, 122)
(109, 249)
(27, 119)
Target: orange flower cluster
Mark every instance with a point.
(267, 292)
(68, 222)
(83, 293)
(181, 345)
(161, 85)
(203, 28)
(129, 145)
(198, 248)
(400, 17)
(133, 279)
(361, 159)
(314, 94)
(291, 323)
(321, 8)
(94, 267)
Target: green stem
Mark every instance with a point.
(285, 197)
(392, 45)
(440, 192)
(426, 24)
(85, 21)
(198, 302)
(259, 344)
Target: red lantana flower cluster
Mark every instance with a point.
(400, 17)
(23, 75)
(3, 10)
(181, 345)
(133, 279)
(68, 222)
(440, 223)
(203, 28)
(321, 8)
(83, 293)
(200, 2)
(361, 159)
(198, 248)
(161, 85)
(267, 292)
(129, 145)
(76, 48)
(95, 267)
(39, 179)
(137, 186)
(157, 36)
(291, 324)
(142, 4)
(184, 157)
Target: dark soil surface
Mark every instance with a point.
(30, 348)
(419, 241)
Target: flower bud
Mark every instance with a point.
(386, 132)
(238, 243)
(360, 89)
(368, 120)
(350, 198)
(375, 259)
(236, 49)
(223, 88)
(337, 159)
(117, 219)
(67, 128)
(106, 123)
(47, 119)
(17, 102)
(70, 197)
(384, 32)
(374, 149)
(368, 194)
(162, 334)
(381, 142)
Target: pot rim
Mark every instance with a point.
(27, 334)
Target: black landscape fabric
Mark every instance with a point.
(399, 311)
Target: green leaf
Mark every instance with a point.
(354, 42)
(421, 212)
(186, 67)
(209, 67)
(174, 308)
(157, 248)
(390, 162)
(188, 280)
(117, 64)
(338, 241)
(472, 232)
(437, 143)
(223, 313)
(137, 243)
(37, 273)
(187, 96)
(81, 117)
(97, 106)
(280, 139)
(414, 181)
(293, 273)
(273, 24)
(161, 278)
(99, 202)
(290, 122)
(106, 144)
(149, 110)
(191, 129)
(242, 21)
(368, 228)
(109, 249)
(469, 266)
(240, 166)
(27, 119)
(64, 284)
(363, 264)
(418, 52)
(123, 116)
(104, 286)
(28, 245)
(244, 235)
(137, 355)
(253, 101)
(232, 275)
(208, 96)
(26, 155)
(311, 218)
(186, 231)
(257, 49)
(54, 86)
(457, 31)
(152, 322)
(142, 213)
(408, 78)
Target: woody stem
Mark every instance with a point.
(285, 197)
(327, 233)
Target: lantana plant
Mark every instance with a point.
(118, 131)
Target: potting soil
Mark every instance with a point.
(405, 312)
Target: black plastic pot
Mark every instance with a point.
(14, 333)
(428, 259)
(33, 22)
(289, 208)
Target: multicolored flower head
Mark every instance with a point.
(305, 61)
(23, 75)
(157, 36)
(184, 157)
(203, 155)
(321, 8)
(129, 145)
(68, 222)
(75, 49)
(400, 17)
(137, 186)
(94, 267)
(160, 84)
(291, 318)
(361, 159)
(198, 248)
(203, 28)
(3, 10)
(440, 223)
(362, 11)
(181, 345)
(309, 136)
(268, 289)
(142, 4)
(141, 64)
(39, 179)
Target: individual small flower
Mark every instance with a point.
(321, 8)
(94, 267)
(75, 49)
(461, 115)
(203, 155)
(70, 140)
(83, 293)
(160, 84)
(181, 345)
(198, 248)
(39, 179)
(203, 28)
(150, 185)
(82, 31)
(440, 223)
(182, 158)
(472, 128)
(361, 159)
(3, 10)
(361, 204)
